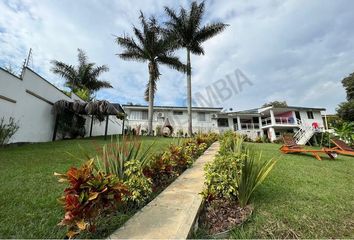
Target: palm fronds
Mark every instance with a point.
(83, 76)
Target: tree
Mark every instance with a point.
(348, 84)
(154, 47)
(345, 110)
(185, 27)
(277, 104)
(82, 79)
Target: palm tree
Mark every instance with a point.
(186, 29)
(153, 47)
(82, 78)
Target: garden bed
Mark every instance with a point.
(220, 216)
(121, 176)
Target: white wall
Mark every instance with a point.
(34, 114)
(178, 122)
(317, 117)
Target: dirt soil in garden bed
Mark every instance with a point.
(220, 215)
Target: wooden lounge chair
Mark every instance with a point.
(290, 146)
(340, 148)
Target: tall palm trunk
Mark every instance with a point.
(151, 97)
(189, 92)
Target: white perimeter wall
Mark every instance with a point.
(34, 113)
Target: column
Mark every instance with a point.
(294, 116)
(272, 118)
(239, 123)
(260, 122)
(271, 134)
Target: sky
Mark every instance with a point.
(292, 50)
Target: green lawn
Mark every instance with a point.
(303, 198)
(28, 190)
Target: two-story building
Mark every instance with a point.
(258, 122)
(272, 121)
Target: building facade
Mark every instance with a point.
(269, 121)
(204, 119)
(273, 122)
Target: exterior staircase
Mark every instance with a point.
(304, 134)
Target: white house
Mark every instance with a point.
(204, 119)
(269, 121)
(29, 100)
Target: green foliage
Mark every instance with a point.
(71, 125)
(84, 94)
(111, 158)
(348, 84)
(89, 195)
(345, 111)
(167, 165)
(140, 187)
(235, 172)
(180, 133)
(186, 29)
(125, 159)
(82, 77)
(253, 172)
(221, 176)
(276, 104)
(7, 130)
(345, 131)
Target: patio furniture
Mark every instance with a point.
(290, 146)
(340, 148)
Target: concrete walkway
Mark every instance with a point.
(172, 213)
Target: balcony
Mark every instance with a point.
(247, 126)
(279, 121)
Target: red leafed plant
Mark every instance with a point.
(90, 193)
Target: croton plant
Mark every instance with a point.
(90, 193)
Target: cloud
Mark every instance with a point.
(296, 51)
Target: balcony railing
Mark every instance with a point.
(247, 126)
(279, 121)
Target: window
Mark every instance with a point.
(223, 122)
(144, 115)
(310, 115)
(138, 115)
(177, 113)
(201, 117)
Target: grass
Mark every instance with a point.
(302, 198)
(29, 191)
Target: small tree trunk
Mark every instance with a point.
(189, 93)
(151, 98)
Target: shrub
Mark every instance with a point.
(112, 157)
(165, 166)
(140, 187)
(180, 133)
(90, 193)
(235, 172)
(7, 130)
(253, 172)
(71, 124)
(126, 159)
(221, 176)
